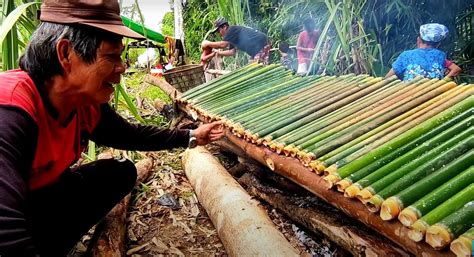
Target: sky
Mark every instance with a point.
(152, 10)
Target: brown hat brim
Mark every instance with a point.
(116, 29)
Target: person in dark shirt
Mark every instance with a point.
(49, 109)
(249, 40)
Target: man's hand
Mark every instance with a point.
(207, 133)
(205, 44)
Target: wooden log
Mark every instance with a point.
(109, 240)
(242, 225)
(323, 219)
(171, 91)
(292, 169)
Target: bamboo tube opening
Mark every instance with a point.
(462, 246)
(374, 203)
(364, 195)
(330, 170)
(417, 230)
(279, 148)
(259, 141)
(287, 151)
(342, 185)
(270, 164)
(317, 167)
(408, 216)
(352, 191)
(267, 139)
(438, 236)
(272, 146)
(254, 138)
(390, 208)
(308, 157)
(330, 180)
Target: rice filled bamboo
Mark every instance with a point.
(399, 179)
(393, 205)
(418, 229)
(462, 246)
(445, 231)
(427, 203)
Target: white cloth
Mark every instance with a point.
(302, 69)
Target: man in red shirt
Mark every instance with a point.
(49, 109)
(307, 40)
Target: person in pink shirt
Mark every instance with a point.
(305, 46)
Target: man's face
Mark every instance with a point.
(222, 30)
(94, 82)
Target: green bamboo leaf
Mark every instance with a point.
(130, 105)
(12, 19)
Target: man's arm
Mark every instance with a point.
(217, 44)
(116, 132)
(454, 70)
(230, 52)
(390, 73)
(18, 139)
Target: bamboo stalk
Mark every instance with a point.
(420, 208)
(419, 228)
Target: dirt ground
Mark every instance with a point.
(166, 219)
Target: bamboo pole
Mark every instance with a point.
(242, 225)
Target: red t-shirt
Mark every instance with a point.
(307, 40)
(58, 147)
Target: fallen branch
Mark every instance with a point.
(243, 226)
(325, 220)
(110, 239)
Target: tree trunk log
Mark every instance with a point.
(110, 237)
(243, 226)
(165, 86)
(323, 219)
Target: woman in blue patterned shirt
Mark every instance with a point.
(426, 60)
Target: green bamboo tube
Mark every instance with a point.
(220, 80)
(445, 231)
(410, 135)
(380, 110)
(259, 73)
(332, 119)
(350, 133)
(405, 127)
(392, 207)
(417, 146)
(462, 246)
(423, 206)
(275, 85)
(249, 85)
(400, 123)
(296, 102)
(418, 229)
(292, 85)
(338, 116)
(284, 121)
(216, 86)
(391, 180)
(312, 84)
(328, 109)
(278, 115)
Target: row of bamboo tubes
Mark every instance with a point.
(388, 143)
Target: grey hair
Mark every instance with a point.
(40, 59)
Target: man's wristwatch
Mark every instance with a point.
(192, 139)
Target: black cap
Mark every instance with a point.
(219, 22)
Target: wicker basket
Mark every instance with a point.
(185, 77)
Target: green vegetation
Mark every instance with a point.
(357, 36)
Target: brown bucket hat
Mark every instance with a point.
(102, 14)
